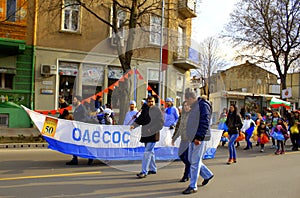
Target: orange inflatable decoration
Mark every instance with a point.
(241, 137)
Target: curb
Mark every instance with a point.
(23, 145)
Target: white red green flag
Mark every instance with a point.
(276, 103)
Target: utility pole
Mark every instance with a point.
(161, 73)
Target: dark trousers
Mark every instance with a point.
(75, 159)
(185, 159)
(280, 144)
(294, 139)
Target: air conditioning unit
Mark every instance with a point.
(48, 70)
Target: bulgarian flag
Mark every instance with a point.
(276, 103)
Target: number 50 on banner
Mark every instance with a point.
(49, 127)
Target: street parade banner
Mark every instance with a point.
(107, 142)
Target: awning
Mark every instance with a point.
(8, 70)
(237, 94)
(9, 105)
(11, 47)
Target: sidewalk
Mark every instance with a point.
(16, 132)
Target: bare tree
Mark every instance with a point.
(128, 15)
(268, 32)
(210, 60)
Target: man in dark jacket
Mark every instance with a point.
(152, 121)
(80, 114)
(198, 132)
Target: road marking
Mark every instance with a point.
(48, 176)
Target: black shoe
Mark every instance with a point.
(141, 175)
(90, 162)
(205, 181)
(151, 172)
(184, 179)
(247, 148)
(189, 190)
(72, 163)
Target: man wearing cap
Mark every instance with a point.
(131, 114)
(171, 114)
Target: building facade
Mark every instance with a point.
(76, 53)
(247, 86)
(16, 63)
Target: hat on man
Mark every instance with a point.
(132, 102)
(169, 100)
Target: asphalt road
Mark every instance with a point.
(43, 173)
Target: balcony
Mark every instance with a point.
(186, 58)
(187, 8)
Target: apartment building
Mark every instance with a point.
(16, 63)
(59, 47)
(76, 53)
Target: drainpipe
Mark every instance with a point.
(33, 54)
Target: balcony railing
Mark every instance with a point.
(186, 58)
(187, 8)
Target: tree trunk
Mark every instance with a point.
(123, 95)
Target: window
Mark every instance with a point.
(70, 16)
(121, 17)
(6, 81)
(11, 8)
(155, 30)
(153, 75)
(181, 42)
(4, 120)
(180, 82)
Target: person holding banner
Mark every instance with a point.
(131, 114)
(171, 114)
(198, 133)
(80, 114)
(98, 104)
(151, 119)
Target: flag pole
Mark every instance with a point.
(161, 73)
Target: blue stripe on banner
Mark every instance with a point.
(210, 153)
(161, 153)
